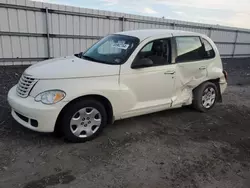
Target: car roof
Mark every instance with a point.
(146, 33)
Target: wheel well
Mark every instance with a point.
(103, 100)
(217, 83)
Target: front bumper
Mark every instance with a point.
(45, 115)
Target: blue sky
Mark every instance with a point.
(234, 13)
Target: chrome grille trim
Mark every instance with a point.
(25, 85)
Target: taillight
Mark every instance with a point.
(225, 74)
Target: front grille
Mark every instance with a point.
(25, 85)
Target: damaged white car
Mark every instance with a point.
(123, 75)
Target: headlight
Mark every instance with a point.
(50, 97)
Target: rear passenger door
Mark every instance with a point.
(192, 60)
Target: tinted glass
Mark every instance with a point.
(158, 51)
(189, 49)
(113, 49)
(148, 47)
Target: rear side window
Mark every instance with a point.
(189, 49)
(209, 51)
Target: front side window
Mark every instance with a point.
(209, 51)
(148, 47)
(189, 49)
(158, 51)
(113, 49)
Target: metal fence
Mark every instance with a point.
(34, 31)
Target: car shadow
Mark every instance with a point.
(12, 130)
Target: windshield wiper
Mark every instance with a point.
(88, 58)
(92, 59)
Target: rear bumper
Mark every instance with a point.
(223, 87)
(45, 115)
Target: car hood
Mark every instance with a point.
(70, 67)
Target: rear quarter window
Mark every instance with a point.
(209, 51)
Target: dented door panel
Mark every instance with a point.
(190, 75)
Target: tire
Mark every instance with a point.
(79, 122)
(203, 102)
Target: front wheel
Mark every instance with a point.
(83, 120)
(205, 96)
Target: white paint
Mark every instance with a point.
(71, 67)
(131, 92)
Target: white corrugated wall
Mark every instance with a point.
(23, 31)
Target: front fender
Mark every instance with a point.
(107, 87)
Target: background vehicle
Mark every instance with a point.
(123, 75)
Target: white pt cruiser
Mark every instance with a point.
(123, 75)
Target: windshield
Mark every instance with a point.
(113, 49)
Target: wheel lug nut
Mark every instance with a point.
(89, 122)
(82, 123)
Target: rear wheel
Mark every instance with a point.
(205, 96)
(83, 120)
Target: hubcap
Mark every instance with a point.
(208, 97)
(85, 122)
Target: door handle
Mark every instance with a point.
(203, 68)
(169, 72)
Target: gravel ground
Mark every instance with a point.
(174, 148)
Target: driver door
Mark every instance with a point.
(151, 87)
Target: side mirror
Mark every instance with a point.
(145, 62)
